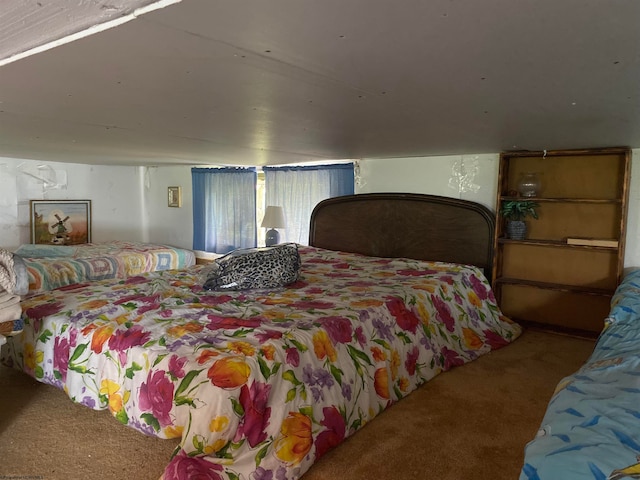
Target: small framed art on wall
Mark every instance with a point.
(175, 197)
(60, 222)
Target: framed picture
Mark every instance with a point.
(60, 222)
(175, 197)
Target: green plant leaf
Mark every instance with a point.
(518, 209)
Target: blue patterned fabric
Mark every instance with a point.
(591, 429)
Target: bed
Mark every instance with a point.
(591, 428)
(259, 384)
(53, 266)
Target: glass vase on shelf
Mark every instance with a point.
(528, 184)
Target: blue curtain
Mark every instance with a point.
(299, 189)
(224, 209)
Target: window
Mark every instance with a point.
(299, 189)
(224, 209)
(229, 203)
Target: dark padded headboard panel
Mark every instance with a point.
(424, 227)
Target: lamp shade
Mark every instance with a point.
(273, 217)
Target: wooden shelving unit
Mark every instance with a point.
(542, 280)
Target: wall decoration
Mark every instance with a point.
(60, 222)
(175, 197)
(45, 175)
(463, 174)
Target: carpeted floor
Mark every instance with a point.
(470, 423)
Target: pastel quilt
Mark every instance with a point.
(259, 384)
(50, 267)
(591, 429)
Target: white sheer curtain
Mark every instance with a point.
(224, 208)
(299, 189)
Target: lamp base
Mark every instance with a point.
(272, 238)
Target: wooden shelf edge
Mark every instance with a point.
(561, 200)
(558, 330)
(554, 243)
(554, 286)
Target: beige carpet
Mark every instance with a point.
(470, 423)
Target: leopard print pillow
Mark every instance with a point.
(255, 268)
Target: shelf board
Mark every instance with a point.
(553, 243)
(559, 330)
(562, 200)
(555, 286)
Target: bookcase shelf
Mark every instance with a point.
(568, 200)
(543, 280)
(561, 287)
(553, 243)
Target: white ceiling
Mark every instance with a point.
(255, 82)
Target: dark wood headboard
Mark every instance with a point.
(424, 227)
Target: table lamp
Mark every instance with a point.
(273, 218)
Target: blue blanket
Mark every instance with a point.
(591, 429)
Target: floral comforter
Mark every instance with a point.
(53, 266)
(259, 384)
(591, 430)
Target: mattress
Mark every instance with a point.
(52, 266)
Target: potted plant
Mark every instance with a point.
(514, 212)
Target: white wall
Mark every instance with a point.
(169, 225)
(115, 206)
(430, 175)
(127, 203)
(130, 203)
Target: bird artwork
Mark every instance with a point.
(632, 471)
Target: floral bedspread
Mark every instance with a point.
(259, 384)
(52, 266)
(591, 429)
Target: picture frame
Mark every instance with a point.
(175, 197)
(60, 222)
